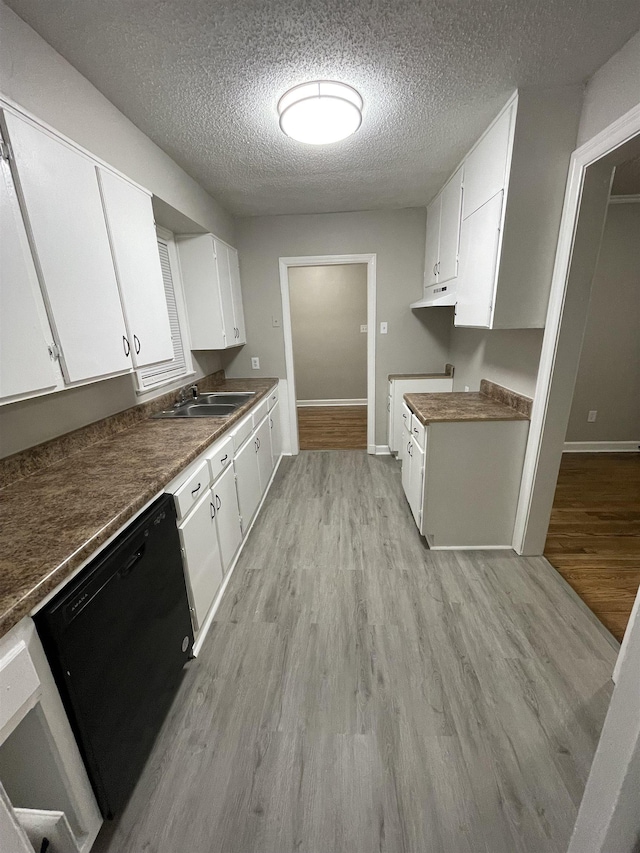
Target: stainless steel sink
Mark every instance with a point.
(237, 398)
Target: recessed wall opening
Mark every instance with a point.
(329, 339)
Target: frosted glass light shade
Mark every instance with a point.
(320, 112)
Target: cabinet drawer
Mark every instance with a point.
(191, 490)
(259, 412)
(18, 682)
(242, 432)
(417, 431)
(272, 399)
(219, 457)
(406, 417)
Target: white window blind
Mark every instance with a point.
(158, 374)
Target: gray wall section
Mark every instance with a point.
(612, 91)
(328, 306)
(416, 342)
(609, 373)
(37, 78)
(509, 357)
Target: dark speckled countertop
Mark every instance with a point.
(56, 517)
(491, 403)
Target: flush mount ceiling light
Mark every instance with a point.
(320, 112)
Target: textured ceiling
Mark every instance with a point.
(626, 180)
(202, 78)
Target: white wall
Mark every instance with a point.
(328, 307)
(37, 78)
(612, 91)
(416, 341)
(609, 372)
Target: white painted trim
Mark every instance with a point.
(302, 404)
(625, 199)
(382, 450)
(617, 134)
(601, 446)
(208, 620)
(469, 547)
(330, 260)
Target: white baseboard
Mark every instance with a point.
(601, 446)
(382, 450)
(301, 404)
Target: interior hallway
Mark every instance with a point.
(594, 534)
(332, 427)
(359, 692)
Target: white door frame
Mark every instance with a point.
(329, 260)
(560, 352)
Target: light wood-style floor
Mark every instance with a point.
(361, 693)
(594, 534)
(332, 427)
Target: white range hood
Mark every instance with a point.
(437, 295)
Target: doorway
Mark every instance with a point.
(328, 314)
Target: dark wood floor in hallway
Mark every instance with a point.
(594, 534)
(332, 427)
(361, 693)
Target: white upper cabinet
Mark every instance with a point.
(63, 208)
(211, 279)
(443, 234)
(135, 255)
(236, 293)
(486, 168)
(25, 363)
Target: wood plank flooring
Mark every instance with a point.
(594, 534)
(332, 427)
(361, 693)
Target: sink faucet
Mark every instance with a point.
(183, 395)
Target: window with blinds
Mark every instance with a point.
(159, 374)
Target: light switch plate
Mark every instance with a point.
(275, 321)
(591, 417)
(383, 328)
(363, 328)
(255, 363)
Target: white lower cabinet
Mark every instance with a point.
(418, 384)
(245, 463)
(201, 554)
(265, 460)
(276, 434)
(463, 483)
(225, 498)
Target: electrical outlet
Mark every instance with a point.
(383, 328)
(466, 387)
(591, 417)
(275, 322)
(255, 363)
(363, 328)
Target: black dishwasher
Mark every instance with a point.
(117, 638)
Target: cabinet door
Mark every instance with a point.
(450, 213)
(479, 242)
(59, 188)
(226, 295)
(236, 292)
(391, 440)
(245, 464)
(276, 434)
(432, 242)
(265, 462)
(228, 526)
(407, 455)
(199, 268)
(485, 169)
(134, 244)
(416, 477)
(25, 365)
(201, 554)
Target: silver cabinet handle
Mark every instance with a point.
(126, 345)
(212, 509)
(218, 502)
(196, 490)
(137, 345)
(224, 458)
